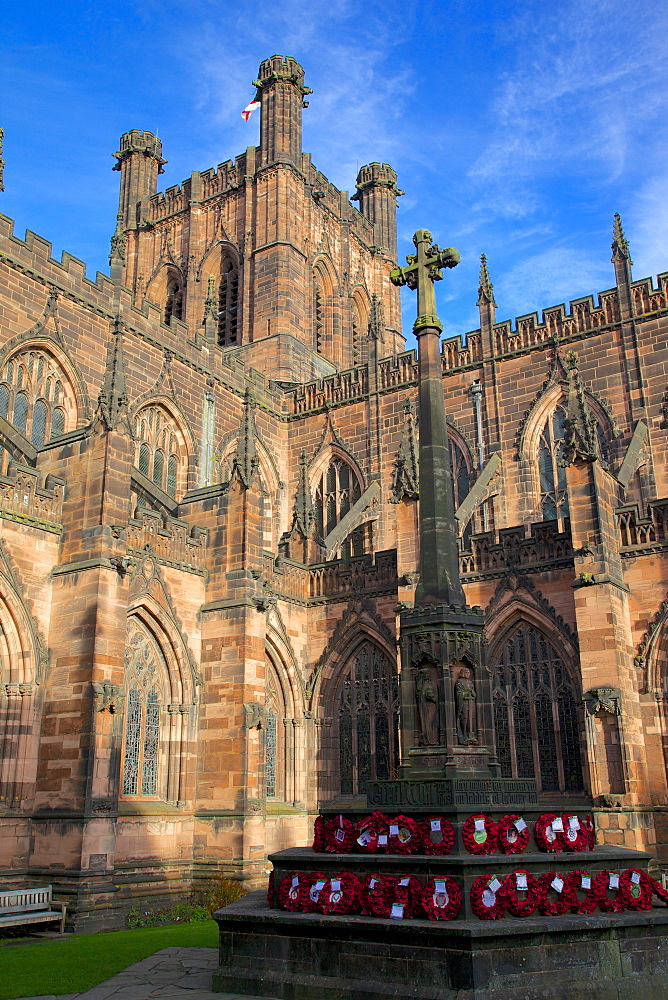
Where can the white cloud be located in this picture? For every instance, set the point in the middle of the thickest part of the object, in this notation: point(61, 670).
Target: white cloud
point(549, 278)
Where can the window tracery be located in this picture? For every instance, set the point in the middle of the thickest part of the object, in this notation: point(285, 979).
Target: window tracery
point(36, 397)
point(276, 751)
point(535, 713)
point(157, 442)
point(339, 489)
point(367, 713)
point(551, 468)
point(144, 672)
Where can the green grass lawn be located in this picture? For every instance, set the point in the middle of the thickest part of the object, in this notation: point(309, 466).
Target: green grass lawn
point(76, 962)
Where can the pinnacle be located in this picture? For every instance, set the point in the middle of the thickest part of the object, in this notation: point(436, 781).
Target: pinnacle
point(485, 288)
point(620, 244)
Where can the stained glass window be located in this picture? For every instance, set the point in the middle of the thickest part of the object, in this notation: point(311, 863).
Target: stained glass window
point(39, 418)
point(367, 707)
point(157, 446)
point(32, 410)
point(553, 495)
point(20, 419)
point(535, 714)
point(132, 736)
point(144, 670)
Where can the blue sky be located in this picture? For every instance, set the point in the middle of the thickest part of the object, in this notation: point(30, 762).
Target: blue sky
point(517, 128)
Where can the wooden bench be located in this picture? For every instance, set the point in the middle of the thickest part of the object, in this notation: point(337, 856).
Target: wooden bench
point(31, 906)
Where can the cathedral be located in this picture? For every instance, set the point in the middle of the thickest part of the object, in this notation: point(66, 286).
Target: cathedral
point(209, 495)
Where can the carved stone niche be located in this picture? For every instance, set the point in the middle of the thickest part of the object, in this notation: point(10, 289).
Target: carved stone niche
point(427, 702)
point(466, 707)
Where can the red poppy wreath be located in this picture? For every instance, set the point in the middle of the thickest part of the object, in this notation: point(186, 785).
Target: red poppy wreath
point(547, 838)
point(441, 899)
point(369, 885)
point(512, 834)
point(558, 895)
point(311, 888)
point(522, 892)
point(635, 889)
point(576, 835)
point(369, 829)
point(289, 892)
point(339, 835)
point(404, 836)
point(604, 883)
point(438, 835)
point(340, 894)
point(479, 835)
point(486, 900)
point(578, 883)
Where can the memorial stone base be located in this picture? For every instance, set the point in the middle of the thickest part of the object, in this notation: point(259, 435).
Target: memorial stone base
point(304, 956)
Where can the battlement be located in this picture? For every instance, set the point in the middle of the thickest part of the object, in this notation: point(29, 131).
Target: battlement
point(584, 316)
point(380, 174)
point(39, 250)
point(169, 539)
point(139, 141)
point(494, 553)
point(22, 500)
point(636, 531)
point(279, 67)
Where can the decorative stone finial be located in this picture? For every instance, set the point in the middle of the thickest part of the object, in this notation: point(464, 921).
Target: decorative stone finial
point(304, 514)
point(245, 460)
point(485, 288)
point(580, 438)
point(112, 400)
point(620, 244)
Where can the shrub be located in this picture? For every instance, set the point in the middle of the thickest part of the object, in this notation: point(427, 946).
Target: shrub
point(221, 892)
point(182, 913)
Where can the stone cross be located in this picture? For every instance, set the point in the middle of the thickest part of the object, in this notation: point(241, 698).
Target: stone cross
point(424, 268)
point(439, 556)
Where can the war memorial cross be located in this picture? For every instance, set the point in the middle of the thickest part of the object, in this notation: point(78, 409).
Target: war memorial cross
point(422, 270)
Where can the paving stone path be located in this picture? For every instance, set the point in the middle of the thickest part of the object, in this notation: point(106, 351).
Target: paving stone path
point(170, 974)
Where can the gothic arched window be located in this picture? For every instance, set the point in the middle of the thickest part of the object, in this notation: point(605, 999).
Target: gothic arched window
point(144, 672)
point(35, 396)
point(551, 470)
point(366, 715)
point(174, 299)
point(157, 437)
point(553, 493)
point(535, 713)
point(228, 303)
point(337, 491)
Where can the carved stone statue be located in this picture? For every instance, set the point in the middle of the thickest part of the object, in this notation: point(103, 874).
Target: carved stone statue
point(465, 699)
point(427, 699)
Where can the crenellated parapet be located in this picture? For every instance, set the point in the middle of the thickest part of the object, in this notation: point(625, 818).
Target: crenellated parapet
point(645, 533)
point(493, 554)
point(172, 541)
point(22, 499)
